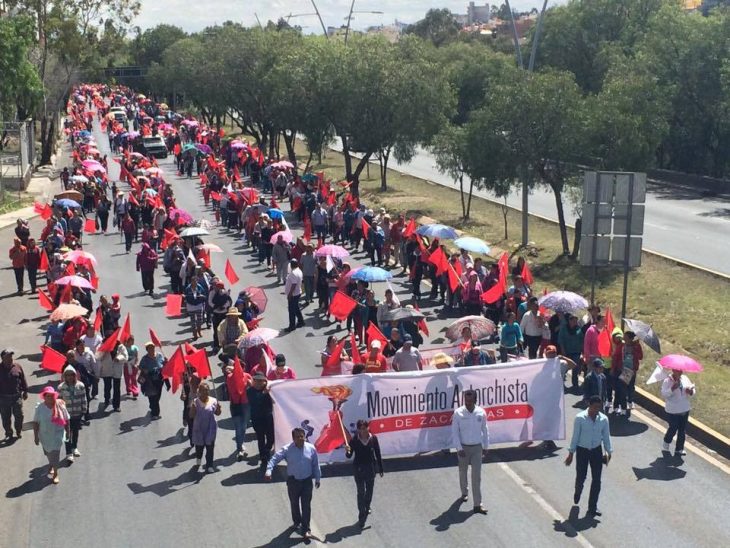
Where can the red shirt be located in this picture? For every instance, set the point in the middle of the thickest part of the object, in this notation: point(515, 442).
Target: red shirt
point(375, 365)
point(286, 374)
point(233, 396)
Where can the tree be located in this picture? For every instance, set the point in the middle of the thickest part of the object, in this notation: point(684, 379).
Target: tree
point(149, 46)
point(66, 39)
point(20, 86)
point(439, 26)
point(450, 149)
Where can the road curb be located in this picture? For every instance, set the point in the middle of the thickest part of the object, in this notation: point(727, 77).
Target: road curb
point(695, 429)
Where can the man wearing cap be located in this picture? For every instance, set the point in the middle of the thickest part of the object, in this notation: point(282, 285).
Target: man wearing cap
point(476, 356)
point(374, 360)
point(302, 466)
point(293, 292)
point(219, 302)
point(262, 416)
point(13, 390)
point(471, 438)
point(595, 382)
point(407, 358)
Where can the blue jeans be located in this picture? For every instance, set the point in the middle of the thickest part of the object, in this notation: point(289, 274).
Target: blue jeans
point(240, 422)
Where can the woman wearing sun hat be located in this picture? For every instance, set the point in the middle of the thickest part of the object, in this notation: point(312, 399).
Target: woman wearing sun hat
point(50, 427)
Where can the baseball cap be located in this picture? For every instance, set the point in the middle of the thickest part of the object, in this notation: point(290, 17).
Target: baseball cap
point(7, 351)
point(407, 338)
point(375, 344)
point(598, 362)
point(259, 377)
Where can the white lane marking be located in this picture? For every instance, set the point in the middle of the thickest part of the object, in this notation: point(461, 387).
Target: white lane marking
point(552, 512)
point(689, 447)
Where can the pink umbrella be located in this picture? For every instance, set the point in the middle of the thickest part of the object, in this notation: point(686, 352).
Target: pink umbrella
point(180, 216)
point(251, 194)
point(680, 363)
point(285, 235)
point(335, 251)
point(92, 165)
point(258, 297)
point(75, 281)
point(258, 336)
point(78, 256)
point(211, 247)
point(284, 164)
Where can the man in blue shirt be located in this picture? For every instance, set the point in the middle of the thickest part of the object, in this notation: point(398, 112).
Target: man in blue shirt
point(302, 465)
point(590, 438)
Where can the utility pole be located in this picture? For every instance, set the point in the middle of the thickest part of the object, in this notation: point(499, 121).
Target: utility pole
point(316, 9)
point(349, 18)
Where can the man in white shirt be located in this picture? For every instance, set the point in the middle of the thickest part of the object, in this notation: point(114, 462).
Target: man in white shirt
point(293, 292)
point(531, 325)
point(471, 438)
point(676, 391)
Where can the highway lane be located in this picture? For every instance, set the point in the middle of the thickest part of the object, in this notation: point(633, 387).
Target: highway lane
point(679, 222)
point(134, 482)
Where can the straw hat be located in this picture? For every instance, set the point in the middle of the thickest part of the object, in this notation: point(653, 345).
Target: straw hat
point(233, 311)
point(441, 360)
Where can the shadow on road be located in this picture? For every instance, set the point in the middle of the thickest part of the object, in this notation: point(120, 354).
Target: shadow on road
point(125, 427)
point(164, 488)
point(623, 428)
point(285, 539)
point(453, 515)
point(662, 469)
point(343, 533)
point(38, 480)
point(574, 523)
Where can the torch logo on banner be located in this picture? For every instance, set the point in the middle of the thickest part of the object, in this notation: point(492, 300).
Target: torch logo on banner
point(333, 435)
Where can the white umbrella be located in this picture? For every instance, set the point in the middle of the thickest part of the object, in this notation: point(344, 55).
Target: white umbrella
point(194, 231)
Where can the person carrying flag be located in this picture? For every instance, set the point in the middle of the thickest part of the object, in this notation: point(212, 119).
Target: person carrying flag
point(150, 377)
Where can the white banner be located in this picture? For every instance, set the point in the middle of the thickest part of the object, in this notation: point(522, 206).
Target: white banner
point(411, 412)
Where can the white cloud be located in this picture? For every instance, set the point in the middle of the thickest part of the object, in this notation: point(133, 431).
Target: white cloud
point(194, 16)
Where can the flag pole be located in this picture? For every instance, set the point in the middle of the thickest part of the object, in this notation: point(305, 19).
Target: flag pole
point(342, 427)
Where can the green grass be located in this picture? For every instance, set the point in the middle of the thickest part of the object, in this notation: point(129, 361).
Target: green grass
point(11, 203)
point(687, 307)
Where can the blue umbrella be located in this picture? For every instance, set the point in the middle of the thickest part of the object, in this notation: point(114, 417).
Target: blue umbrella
point(66, 202)
point(475, 245)
point(84, 133)
point(442, 232)
point(275, 213)
point(372, 274)
point(563, 301)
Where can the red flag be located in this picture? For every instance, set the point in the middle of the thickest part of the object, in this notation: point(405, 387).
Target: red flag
point(215, 196)
point(167, 238)
point(46, 213)
point(52, 360)
point(66, 294)
point(493, 294)
point(110, 341)
point(237, 379)
point(189, 349)
point(356, 357)
point(373, 333)
point(70, 270)
point(410, 228)
point(527, 274)
point(44, 261)
point(205, 256)
point(174, 368)
point(126, 331)
point(422, 326)
point(230, 272)
point(503, 264)
point(439, 260)
point(44, 300)
point(341, 305)
point(253, 324)
point(454, 281)
point(94, 280)
point(90, 226)
point(333, 435)
point(97, 320)
point(155, 339)
point(199, 361)
point(307, 229)
point(133, 200)
point(296, 204)
point(173, 305)
point(365, 228)
point(334, 359)
point(332, 198)
point(604, 337)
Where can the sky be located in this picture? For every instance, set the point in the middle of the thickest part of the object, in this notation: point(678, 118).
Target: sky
point(196, 15)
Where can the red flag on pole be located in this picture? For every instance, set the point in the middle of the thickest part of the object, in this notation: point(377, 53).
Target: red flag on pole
point(307, 229)
point(373, 333)
point(110, 342)
point(341, 305)
point(604, 337)
point(66, 294)
point(44, 261)
point(238, 379)
point(356, 357)
point(454, 281)
point(333, 435)
point(422, 326)
point(199, 361)
point(44, 300)
point(173, 304)
point(410, 228)
point(334, 359)
point(174, 368)
point(90, 226)
point(155, 339)
point(126, 331)
point(527, 274)
point(503, 264)
point(97, 320)
point(52, 360)
point(365, 228)
point(493, 294)
point(439, 260)
point(230, 272)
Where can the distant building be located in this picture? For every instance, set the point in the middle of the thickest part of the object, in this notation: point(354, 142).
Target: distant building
point(477, 14)
point(392, 33)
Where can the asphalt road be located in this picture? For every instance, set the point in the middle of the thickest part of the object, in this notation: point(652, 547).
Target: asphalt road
point(134, 484)
point(682, 223)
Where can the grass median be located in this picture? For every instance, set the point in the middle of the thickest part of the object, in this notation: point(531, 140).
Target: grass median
point(687, 307)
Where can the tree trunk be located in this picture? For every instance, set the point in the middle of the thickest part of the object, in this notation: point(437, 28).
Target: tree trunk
point(576, 238)
point(561, 219)
point(505, 211)
point(273, 149)
point(383, 161)
point(348, 159)
point(289, 139)
point(461, 195)
point(468, 201)
point(48, 138)
point(355, 188)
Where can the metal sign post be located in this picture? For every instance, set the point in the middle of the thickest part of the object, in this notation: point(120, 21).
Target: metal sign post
point(613, 224)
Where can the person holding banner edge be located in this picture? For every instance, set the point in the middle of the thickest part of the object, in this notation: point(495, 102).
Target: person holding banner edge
point(366, 448)
point(471, 438)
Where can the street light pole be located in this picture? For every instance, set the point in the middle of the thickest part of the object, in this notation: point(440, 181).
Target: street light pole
point(316, 9)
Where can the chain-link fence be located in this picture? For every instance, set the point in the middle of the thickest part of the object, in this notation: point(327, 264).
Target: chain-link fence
point(17, 156)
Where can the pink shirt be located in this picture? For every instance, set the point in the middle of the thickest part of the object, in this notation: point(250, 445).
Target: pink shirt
point(287, 374)
point(590, 343)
